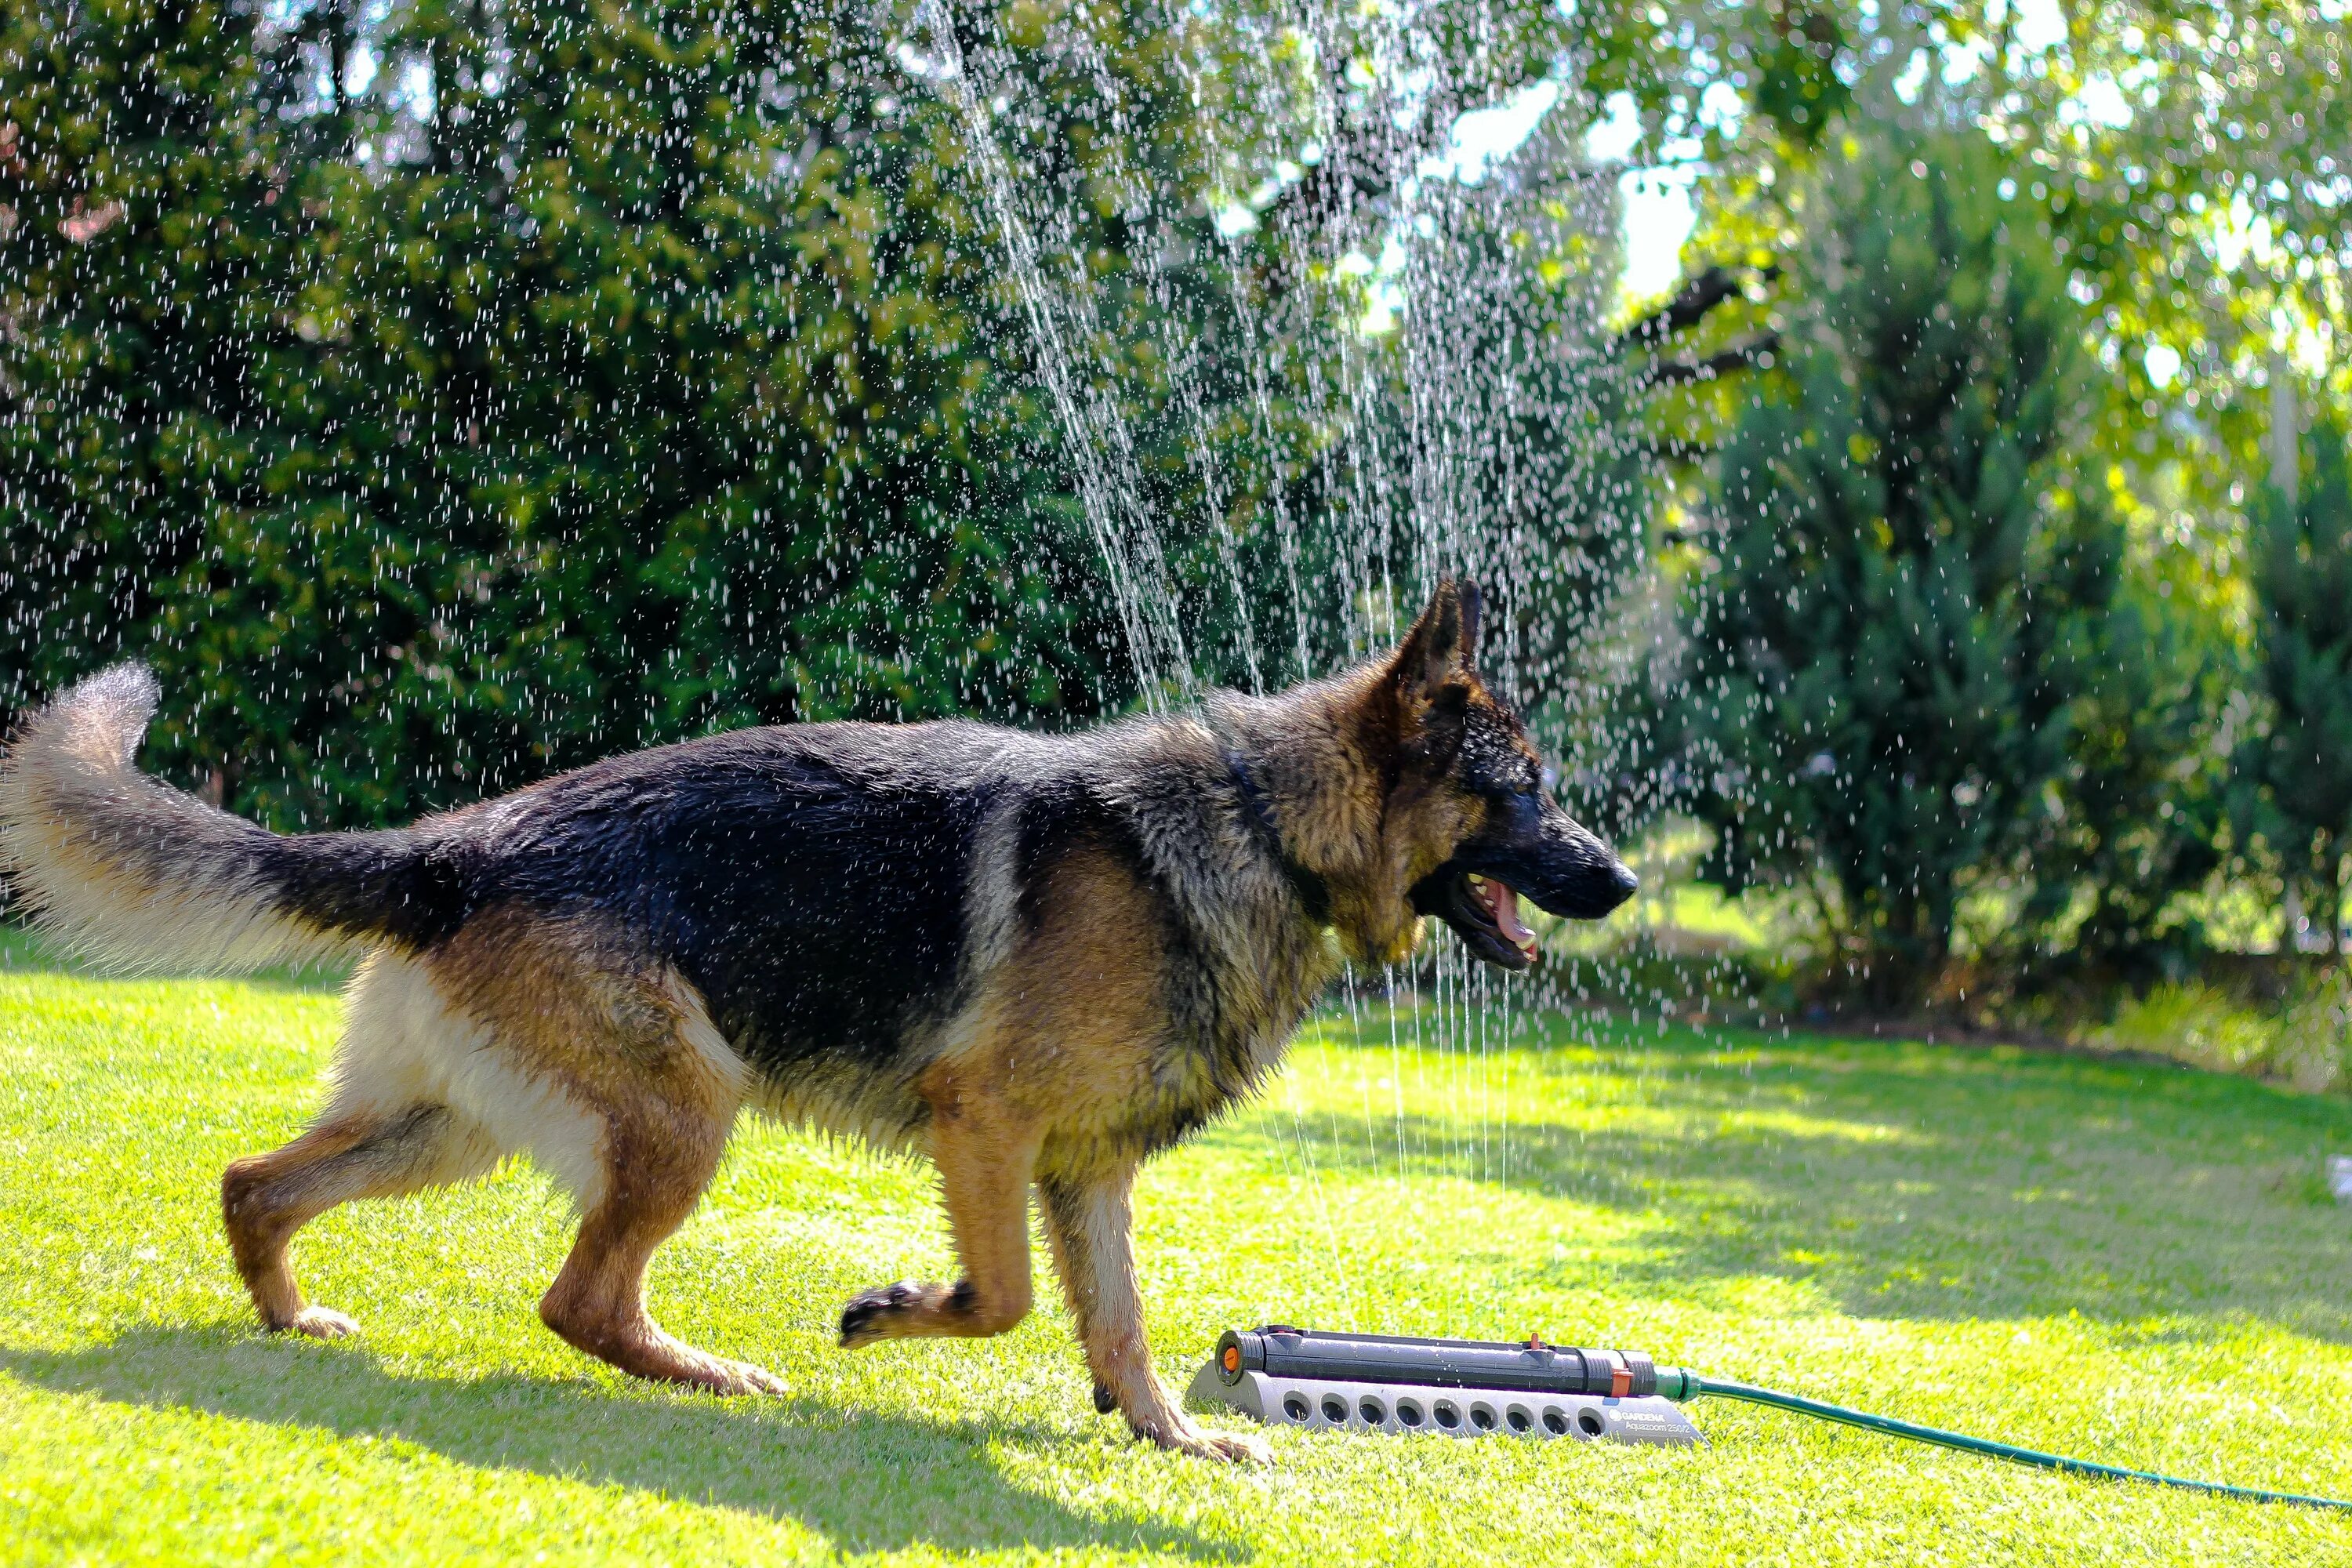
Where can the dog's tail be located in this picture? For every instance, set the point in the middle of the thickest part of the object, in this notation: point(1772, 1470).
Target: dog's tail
point(137, 875)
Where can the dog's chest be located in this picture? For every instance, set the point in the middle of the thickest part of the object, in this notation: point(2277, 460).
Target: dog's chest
point(1231, 1033)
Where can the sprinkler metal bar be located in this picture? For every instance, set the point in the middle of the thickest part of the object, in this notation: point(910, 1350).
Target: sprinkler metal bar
point(1531, 1368)
point(1405, 1408)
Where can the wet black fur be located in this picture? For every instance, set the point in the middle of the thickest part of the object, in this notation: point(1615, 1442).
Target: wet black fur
point(812, 883)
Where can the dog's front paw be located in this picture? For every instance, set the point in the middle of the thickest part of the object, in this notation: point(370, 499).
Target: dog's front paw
point(1164, 1426)
point(1234, 1448)
point(867, 1316)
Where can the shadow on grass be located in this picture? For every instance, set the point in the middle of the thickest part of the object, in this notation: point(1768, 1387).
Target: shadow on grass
point(868, 1482)
point(1904, 1179)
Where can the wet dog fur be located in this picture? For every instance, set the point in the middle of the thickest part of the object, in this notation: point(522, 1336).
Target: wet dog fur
point(1036, 961)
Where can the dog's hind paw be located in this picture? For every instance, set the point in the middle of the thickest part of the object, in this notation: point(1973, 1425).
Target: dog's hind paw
point(319, 1323)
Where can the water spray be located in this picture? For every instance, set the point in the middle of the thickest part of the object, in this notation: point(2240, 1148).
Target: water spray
point(1470, 1388)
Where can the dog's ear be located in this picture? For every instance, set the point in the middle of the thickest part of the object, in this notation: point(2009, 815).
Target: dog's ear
point(1435, 674)
point(1441, 649)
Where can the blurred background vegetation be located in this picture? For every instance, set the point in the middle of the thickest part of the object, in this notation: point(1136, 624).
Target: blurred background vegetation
point(442, 392)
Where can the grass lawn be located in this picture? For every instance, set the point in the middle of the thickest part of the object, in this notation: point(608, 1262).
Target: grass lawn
point(2125, 1262)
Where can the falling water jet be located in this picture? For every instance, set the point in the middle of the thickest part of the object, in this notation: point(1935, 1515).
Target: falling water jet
point(1455, 441)
point(1100, 449)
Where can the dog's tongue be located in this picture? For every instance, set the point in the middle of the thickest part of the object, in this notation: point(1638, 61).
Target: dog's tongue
point(1503, 903)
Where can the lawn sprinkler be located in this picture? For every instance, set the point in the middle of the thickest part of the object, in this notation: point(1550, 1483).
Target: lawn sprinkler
point(1454, 1388)
point(1469, 1388)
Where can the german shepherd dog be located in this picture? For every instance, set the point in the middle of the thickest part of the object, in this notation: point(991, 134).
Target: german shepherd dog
point(1037, 959)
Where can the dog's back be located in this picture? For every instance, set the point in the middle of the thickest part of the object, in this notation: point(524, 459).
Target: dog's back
point(837, 897)
point(815, 884)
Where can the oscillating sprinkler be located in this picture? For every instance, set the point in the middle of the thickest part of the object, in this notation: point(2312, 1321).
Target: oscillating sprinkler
point(1471, 1388)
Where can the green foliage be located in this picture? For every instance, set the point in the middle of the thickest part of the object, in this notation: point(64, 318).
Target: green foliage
point(2141, 806)
point(2208, 215)
point(2299, 770)
point(589, 378)
point(1908, 663)
point(583, 378)
point(2299, 1032)
point(640, 376)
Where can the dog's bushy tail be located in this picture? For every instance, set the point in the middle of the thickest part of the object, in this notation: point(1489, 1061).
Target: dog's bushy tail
point(135, 874)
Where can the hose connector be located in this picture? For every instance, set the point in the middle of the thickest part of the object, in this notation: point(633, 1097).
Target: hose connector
point(1679, 1384)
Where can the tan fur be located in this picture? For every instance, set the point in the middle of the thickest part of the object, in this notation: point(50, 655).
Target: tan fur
point(1054, 1088)
point(520, 1035)
point(1346, 813)
point(628, 1047)
point(1055, 1054)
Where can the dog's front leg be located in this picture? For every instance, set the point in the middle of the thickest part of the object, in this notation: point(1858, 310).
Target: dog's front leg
point(1089, 1221)
point(986, 1157)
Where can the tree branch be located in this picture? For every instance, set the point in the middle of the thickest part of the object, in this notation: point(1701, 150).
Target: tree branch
point(1689, 306)
point(1739, 356)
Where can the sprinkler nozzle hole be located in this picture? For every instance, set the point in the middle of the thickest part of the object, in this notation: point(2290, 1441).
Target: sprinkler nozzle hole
point(1588, 1423)
point(1334, 1410)
point(1519, 1418)
point(1409, 1413)
point(1482, 1417)
point(1374, 1413)
point(1449, 1414)
point(1294, 1405)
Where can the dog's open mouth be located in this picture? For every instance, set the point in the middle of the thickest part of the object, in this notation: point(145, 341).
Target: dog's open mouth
point(1498, 904)
point(1483, 911)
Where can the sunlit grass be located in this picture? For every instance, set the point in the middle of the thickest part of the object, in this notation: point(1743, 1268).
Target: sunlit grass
point(2124, 1261)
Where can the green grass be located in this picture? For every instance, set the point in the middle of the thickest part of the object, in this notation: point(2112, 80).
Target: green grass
point(2122, 1261)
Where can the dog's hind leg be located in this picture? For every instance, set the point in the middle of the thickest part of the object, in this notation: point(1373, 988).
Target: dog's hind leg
point(658, 1159)
point(388, 1128)
point(985, 1158)
point(607, 1068)
point(1088, 1220)
point(354, 1153)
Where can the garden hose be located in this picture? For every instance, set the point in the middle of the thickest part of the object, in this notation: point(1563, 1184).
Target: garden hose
point(1537, 1368)
point(1682, 1386)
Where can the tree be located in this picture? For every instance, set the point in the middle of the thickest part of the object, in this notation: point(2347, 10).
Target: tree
point(2301, 765)
point(1909, 579)
point(147, 246)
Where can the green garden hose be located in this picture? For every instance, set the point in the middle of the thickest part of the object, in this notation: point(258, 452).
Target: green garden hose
point(1682, 1386)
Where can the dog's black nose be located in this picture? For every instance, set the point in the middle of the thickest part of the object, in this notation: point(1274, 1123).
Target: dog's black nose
point(1621, 877)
